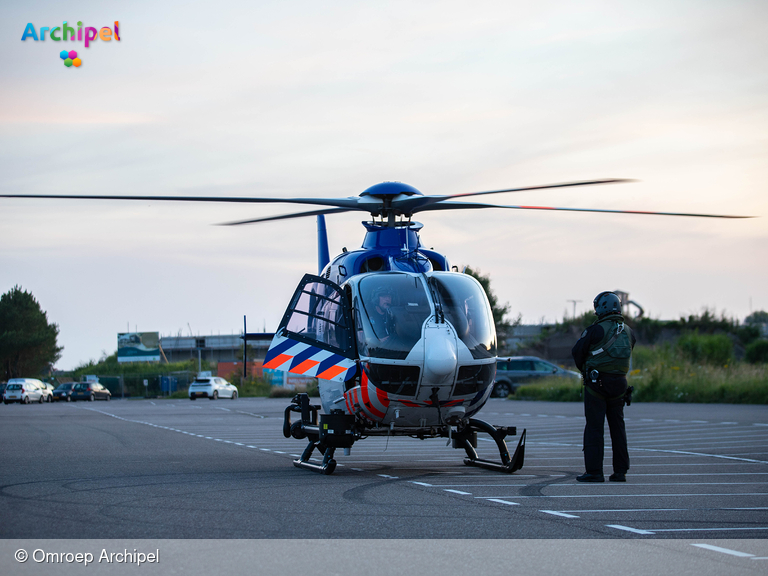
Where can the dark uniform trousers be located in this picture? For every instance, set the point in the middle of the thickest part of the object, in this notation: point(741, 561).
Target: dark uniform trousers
point(606, 401)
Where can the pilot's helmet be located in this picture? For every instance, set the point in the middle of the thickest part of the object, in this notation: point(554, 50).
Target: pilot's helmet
point(607, 303)
point(380, 291)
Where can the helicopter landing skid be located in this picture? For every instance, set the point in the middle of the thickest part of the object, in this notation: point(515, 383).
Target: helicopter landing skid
point(334, 433)
point(328, 465)
point(335, 430)
point(467, 439)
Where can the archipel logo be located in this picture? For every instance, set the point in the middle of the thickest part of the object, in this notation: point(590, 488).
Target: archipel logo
point(70, 58)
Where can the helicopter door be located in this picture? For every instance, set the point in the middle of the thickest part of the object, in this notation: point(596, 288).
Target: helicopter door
point(315, 337)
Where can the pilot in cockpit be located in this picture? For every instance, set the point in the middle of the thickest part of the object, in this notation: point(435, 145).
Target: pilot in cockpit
point(380, 314)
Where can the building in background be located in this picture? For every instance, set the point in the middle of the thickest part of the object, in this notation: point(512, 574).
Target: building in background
point(219, 349)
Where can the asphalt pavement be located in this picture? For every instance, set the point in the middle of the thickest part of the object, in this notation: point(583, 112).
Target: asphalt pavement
point(222, 469)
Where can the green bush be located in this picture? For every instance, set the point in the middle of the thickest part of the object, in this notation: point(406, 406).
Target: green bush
point(667, 378)
point(551, 390)
point(714, 349)
point(757, 352)
point(280, 392)
point(646, 357)
point(736, 384)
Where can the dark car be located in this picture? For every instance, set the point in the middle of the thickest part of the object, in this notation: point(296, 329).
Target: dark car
point(64, 391)
point(516, 370)
point(90, 391)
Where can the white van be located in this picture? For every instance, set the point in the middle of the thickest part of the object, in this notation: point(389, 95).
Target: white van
point(24, 391)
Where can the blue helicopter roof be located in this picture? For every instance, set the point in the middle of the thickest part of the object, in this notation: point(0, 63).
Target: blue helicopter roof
point(390, 189)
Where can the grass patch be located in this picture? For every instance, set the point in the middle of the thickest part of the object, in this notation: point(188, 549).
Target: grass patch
point(664, 377)
point(550, 390)
point(685, 382)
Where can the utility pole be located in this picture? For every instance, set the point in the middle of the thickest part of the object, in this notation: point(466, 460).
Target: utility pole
point(574, 307)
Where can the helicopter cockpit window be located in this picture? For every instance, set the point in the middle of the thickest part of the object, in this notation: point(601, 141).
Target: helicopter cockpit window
point(389, 315)
point(466, 308)
point(317, 315)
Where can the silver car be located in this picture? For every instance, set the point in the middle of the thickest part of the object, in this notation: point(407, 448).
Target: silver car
point(212, 388)
point(24, 391)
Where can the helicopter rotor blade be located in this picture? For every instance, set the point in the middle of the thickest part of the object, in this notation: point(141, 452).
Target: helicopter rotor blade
point(471, 205)
point(287, 216)
point(415, 203)
point(348, 203)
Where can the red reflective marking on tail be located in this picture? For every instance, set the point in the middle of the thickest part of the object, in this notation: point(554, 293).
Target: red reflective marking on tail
point(277, 361)
point(304, 366)
point(539, 207)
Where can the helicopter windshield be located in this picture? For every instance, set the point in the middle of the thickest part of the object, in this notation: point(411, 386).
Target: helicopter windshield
point(392, 309)
point(466, 308)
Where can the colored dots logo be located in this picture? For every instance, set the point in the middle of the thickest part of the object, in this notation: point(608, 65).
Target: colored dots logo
point(70, 58)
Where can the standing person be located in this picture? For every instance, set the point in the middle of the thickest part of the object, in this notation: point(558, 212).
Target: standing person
point(602, 354)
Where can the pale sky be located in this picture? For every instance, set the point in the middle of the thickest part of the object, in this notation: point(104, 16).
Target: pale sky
point(299, 98)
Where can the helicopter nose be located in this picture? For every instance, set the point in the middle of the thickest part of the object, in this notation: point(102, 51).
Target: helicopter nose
point(440, 357)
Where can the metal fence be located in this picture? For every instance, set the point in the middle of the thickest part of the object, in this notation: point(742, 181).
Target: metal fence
point(146, 385)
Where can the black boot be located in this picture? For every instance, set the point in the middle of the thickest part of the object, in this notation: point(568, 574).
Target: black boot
point(587, 477)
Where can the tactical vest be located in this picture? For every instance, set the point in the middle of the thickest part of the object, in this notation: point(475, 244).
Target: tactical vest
point(611, 355)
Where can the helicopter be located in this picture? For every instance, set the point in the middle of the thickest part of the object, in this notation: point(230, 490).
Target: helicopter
point(400, 341)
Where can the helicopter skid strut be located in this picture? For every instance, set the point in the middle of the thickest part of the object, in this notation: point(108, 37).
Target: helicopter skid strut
point(328, 465)
point(335, 430)
point(335, 433)
point(467, 438)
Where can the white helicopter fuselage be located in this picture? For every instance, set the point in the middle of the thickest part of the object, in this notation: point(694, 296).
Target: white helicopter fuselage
point(426, 357)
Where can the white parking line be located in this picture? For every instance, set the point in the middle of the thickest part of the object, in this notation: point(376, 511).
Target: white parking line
point(628, 529)
point(611, 510)
point(422, 484)
point(599, 495)
point(723, 550)
point(563, 514)
point(459, 492)
point(700, 454)
point(500, 501)
point(710, 529)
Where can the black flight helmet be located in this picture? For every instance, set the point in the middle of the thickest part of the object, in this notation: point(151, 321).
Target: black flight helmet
point(606, 303)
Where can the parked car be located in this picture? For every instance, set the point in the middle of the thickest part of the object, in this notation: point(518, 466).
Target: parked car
point(212, 388)
point(64, 391)
point(516, 370)
point(24, 391)
point(90, 391)
point(48, 392)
